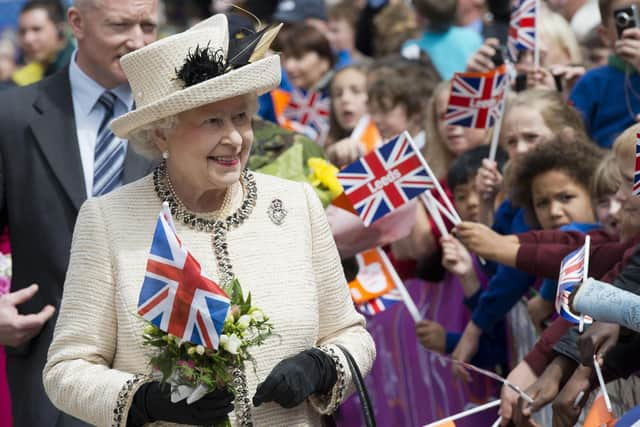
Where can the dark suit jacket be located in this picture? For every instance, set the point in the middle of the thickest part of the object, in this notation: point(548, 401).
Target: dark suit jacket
point(42, 189)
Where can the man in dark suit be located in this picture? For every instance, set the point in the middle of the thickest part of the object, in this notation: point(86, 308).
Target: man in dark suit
point(56, 150)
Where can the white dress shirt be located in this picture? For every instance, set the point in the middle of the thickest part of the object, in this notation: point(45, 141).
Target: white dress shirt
point(85, 93)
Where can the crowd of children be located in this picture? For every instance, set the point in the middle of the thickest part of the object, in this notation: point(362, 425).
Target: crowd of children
point(564, 169)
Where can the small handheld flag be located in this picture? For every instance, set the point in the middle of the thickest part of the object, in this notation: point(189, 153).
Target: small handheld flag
point(573, 270)
point(367, 134)
point(176, 295)
point(308, 112)
point(476, 99)
point(522, 27)
point(636, 174)
point(385, 179)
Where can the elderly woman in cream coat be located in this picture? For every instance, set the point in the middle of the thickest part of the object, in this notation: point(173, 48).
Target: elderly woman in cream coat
point(276, 242)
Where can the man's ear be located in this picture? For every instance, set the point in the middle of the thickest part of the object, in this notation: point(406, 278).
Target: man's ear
point(76, 22)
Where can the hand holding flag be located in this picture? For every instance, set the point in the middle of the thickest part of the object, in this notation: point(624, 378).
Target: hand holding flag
point(573, 271)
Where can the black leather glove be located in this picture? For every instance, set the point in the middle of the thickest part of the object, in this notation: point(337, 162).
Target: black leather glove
point(294, 379)
point(152, 402)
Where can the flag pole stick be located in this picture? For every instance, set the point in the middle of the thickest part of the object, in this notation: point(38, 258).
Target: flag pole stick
point(585, 274)
point(427, 199)
point(406, 298)
point(536, 49)
point(497, 128)
point(436, 183)
point(466, 413)
point(603, 386)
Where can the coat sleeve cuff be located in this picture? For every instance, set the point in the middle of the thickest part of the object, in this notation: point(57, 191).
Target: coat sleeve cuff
point(326, 404)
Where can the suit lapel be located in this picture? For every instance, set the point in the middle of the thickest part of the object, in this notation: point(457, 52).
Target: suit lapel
point(54, 128)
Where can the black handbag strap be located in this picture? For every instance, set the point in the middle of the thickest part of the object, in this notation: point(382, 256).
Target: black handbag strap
point(363, 394)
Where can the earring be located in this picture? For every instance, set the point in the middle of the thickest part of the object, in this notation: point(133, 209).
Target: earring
point(165, 155)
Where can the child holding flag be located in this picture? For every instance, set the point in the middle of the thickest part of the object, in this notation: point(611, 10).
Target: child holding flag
point(541, 252)
point(463, 272)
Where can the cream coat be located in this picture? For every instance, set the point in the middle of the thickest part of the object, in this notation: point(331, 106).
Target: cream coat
point(292, 271)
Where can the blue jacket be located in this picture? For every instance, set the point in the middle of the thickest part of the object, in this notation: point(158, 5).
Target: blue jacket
point(604, 102)
point(492, 348)
point(507, 284)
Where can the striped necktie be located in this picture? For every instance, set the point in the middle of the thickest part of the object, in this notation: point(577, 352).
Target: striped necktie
point(110, 151)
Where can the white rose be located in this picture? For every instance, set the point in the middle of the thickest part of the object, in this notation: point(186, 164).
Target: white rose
point(200, 350)
point(257, 315)
point(232, 344)
point(243, 322)
point(224, 339)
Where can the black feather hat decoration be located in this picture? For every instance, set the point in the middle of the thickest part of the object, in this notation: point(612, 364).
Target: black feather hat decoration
point(205, 63)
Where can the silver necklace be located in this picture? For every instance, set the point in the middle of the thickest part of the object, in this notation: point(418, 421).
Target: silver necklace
point(219, 227)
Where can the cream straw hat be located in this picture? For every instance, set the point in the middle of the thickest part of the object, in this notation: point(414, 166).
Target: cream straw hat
point(158, 92)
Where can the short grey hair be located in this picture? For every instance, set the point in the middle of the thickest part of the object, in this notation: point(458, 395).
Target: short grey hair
point(143, 138)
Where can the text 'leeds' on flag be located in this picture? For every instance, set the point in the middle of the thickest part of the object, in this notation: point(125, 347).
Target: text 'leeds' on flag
point(475, 100)
point(572, 272)
point(385, 179)
point(636, 174)
point(176, 295)
point(522, 27)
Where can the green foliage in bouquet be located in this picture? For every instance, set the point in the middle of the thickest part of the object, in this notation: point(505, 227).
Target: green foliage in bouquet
point(188, 364)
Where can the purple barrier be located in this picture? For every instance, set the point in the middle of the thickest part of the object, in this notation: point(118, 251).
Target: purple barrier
point(409, 385)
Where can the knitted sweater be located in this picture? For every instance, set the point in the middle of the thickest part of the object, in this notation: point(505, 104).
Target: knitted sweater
point(292, 271)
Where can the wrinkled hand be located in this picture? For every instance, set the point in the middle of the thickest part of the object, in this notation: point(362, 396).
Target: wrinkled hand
point(628, 47)
point(16, 329)
point(152, 402)
point(481, 60)
point(432, 335)
point(465, 350)
point(540, 310)
point(488, 180)
point(344, 152)
point(455, 257)
point(565, 414)
point(294, 379)
point(598, 340)
point(523, 377)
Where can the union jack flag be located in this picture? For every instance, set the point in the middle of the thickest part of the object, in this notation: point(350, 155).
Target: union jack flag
point(476, 99)
point(636, 175)
point(380, 304)
point(176, 295)
point(522, 27)
point(385, 179)
point(308, 113)
point(572, 272)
